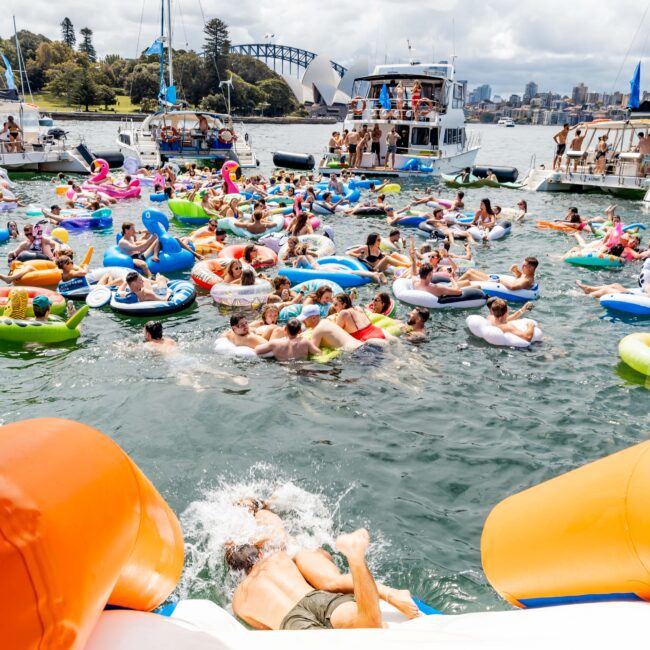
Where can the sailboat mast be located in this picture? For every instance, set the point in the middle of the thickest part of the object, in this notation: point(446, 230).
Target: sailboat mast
point(169, 23)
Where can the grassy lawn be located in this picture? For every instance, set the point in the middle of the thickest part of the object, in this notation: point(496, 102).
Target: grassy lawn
point(47, 102)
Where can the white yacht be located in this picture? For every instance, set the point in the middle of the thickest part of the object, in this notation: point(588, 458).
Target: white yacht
point(176, 136)
point(35, 149)
point(620, 172)
point(431, 129)
point(507, 122)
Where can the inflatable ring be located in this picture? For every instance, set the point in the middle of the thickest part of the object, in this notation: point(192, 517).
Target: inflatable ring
point(265, 256)
point(495, 289)
point(183, 295)
point(226, 136)
point(355, 107)
point(310, 286)
point(207, 273)
point(57, 300)
point(634, 350)
point(493, 335)
point(223, 346)
point(44, 273)
point(238, 296)
point(601, 260)
point(168, 134)
point(636, 302)
point(334, 268)
point(423, 106)
point(323, 246)
point(55, 330)
point(404, 292)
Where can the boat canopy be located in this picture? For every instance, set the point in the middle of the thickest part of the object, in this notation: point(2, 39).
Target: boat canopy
point(187, 120)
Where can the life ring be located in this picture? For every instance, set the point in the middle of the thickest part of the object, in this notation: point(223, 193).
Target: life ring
point(423, 106)
point(354, 105)
point(226, 136)
point(168, 134)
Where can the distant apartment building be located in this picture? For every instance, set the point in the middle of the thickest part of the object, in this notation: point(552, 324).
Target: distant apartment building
point(515, 101)
point(579, 94)
point(530, 91)
point(480, 94)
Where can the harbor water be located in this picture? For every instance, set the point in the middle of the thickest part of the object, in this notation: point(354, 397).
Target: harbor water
point(417, 443)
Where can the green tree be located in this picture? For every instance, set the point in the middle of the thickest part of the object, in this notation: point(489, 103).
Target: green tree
point(143, 82)
point(62, 79)
point(67, 33)
point(191, 76)
point(84, 91)
point(106, 95)
point(279, 96)
point(249, 68)
point(244, 96)
point(213, 103)
point(216, 49)
point(86, 46)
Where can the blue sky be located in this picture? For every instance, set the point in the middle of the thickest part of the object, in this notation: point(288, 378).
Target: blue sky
point(500, 42)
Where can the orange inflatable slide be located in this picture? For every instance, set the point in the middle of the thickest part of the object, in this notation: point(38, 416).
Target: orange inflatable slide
point(80, 527)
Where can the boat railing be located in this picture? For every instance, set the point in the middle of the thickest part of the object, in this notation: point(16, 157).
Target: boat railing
point(364, 108)
point(624, 165)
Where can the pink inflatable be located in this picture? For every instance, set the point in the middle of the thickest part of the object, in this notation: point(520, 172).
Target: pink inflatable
point(227, 172)
point(313, 220)
point(96, 184)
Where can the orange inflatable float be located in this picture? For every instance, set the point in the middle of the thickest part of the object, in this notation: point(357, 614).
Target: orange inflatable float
point(580, 537)
point(207, 273)
point(43, 273)
point(563, 226)
point(206, 243)
point(80, 527)
point(264, 257)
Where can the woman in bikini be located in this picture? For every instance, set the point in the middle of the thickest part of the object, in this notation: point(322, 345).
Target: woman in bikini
point(355, 321)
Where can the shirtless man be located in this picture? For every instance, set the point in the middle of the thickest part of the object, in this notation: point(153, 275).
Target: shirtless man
point(560, 140)
point(275, 595)
point(644, 148)
point(290, 347)
point(391, 147)
point(422, 282)
point(375, 145)
point(154, 339)
point(352, 141)
point(576, 145)
point(335, 185)
point(415, 328)
point(364, 139)
point(524, 279)
point(138, 249)
point(239, 333)
point(500, 318)
point(145, 289)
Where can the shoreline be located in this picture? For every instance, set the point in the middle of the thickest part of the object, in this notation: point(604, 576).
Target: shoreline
point(139, 117)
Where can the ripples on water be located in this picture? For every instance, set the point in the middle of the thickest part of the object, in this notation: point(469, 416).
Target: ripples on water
point(416, 443)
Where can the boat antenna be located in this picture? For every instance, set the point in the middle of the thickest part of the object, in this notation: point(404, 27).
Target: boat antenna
point(410, 48)
point(21, 66)
point(453, 44)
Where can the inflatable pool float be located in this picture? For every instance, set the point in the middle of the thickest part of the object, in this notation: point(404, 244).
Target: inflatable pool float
point(390, 311)
point(333, 268)
point(207, 273)
point(55, 330)
point(225, 347)
point(385, 322)
point(310, 286)
point(474, 181)
point(228, 224)
point(172, 257)
point(404, 292)
point(558, 225)
point(57, 300)
point(44, 273)
point(189, 212)
point(236, 295)
point(265, 256)
point(577, 538)
point(364, 184)
point(634, 350)
point(79, 288)
point(97, 220)
point(319, 245)
point(635, 302)
point(95, 184)
point(501, 230)
point(493, 335)
point(183, 295)
point(205, 244)
point(8, 206)
point(369, 211)
point(596, 260)
point(494, 289)
point(319, 207)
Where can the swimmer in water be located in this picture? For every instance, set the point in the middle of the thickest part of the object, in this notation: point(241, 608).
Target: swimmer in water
point(154, 339)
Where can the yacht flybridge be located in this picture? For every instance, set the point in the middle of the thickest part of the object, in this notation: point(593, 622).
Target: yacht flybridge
point(181, 135)
point(621, 172)
point(425, 105)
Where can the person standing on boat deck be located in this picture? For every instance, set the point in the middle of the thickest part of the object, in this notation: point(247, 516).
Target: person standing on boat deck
point(203, 124)
point(576, 145)
point(352, 142)
point(364, 138)
point(399, 101)
point(560, 141)
point(644, 148)
point(391, 141)
point(601, 155)
point(375, 146)
point(416, 95)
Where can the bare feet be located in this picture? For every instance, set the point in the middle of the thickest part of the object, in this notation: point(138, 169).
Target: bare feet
point(584, 287)
point(353, 545)
point(401, 600)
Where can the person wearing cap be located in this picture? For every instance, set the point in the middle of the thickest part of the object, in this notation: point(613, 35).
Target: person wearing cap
point(290, 347)
point(41, 306)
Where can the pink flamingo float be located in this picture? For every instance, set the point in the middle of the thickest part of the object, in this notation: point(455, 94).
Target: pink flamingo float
point(227, 173)
point(95, 184)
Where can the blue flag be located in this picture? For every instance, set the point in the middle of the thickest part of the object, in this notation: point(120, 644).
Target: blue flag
point(384, 98)
point(156, 47)
point(635, 88)
point(9, 73)
point(170, 95)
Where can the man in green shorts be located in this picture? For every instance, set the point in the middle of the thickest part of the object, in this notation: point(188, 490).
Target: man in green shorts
point(275, 595)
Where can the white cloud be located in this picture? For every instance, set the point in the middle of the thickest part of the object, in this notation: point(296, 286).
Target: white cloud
point(554, 42)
